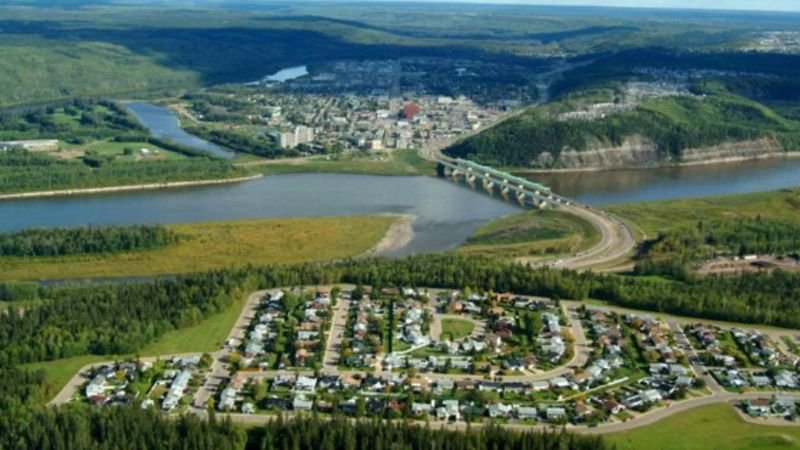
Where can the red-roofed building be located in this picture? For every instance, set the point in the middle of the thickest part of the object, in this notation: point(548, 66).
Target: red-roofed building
point(410, 110)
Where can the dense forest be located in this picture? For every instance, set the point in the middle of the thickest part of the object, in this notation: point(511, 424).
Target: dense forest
point(80, 427)
point(121, 318)
point(736, 236)
point(22, 171)
point(309, 433)
point(83, 240)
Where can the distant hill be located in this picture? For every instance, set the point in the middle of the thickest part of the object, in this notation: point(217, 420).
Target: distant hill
point(588, 131)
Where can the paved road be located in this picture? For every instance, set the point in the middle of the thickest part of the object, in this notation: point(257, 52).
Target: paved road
point(583, 349)
point(642, 420)
point(66, 393)
point(333, 347)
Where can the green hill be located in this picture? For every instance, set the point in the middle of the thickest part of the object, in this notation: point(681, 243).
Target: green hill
point(539, 137)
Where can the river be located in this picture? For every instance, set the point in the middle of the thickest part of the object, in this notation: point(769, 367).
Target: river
point(163, 123)
point(446, 214)
point(630, 186)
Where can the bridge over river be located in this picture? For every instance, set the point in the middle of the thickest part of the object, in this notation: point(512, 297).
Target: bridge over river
point(617, 238)
point(525, 192)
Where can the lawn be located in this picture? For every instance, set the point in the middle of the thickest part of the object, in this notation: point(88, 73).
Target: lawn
point(653, 217)
point(210, 245)
point(456, 328)
point(398, 162)
point(532, 233)
point(60, 371)
point(707, 428)
point(206, 336)
point(116, 149)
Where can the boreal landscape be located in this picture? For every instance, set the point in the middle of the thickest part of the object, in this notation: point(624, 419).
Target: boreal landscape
point(373, 225)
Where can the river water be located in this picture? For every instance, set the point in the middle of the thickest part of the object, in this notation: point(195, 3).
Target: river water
point(446, 213)
point(629, 186)
point(163, 123)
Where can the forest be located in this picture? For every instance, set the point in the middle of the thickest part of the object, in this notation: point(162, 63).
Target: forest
point(733, 236)
point(23, 171)
point(85, 240)
point(79, 427)
point(522, 140)
point(121, 318)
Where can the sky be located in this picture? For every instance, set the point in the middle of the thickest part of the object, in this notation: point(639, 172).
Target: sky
point(759, 5)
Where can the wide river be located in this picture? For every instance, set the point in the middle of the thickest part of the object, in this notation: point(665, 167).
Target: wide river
point(446, 214)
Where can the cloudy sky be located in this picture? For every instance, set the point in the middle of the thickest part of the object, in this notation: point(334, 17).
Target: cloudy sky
point(761, 5)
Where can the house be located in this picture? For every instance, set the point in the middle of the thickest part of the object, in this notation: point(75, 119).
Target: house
point(556, 414)
point(498, 410)
point(227, 399)
point(539, 386)
point(785, 380)
point(784, 404)
point(758, 407)
point(492, 386)
point(634, 401)
point(300, 403)
point(96, 386)
point(176, 390)
point(448, 410)
point(420, 409)
point(611, 406)
point(329, 382)
point(559, 383)
point(527, 413)
point(650, 396)
point(760, 380)
point(305, 384)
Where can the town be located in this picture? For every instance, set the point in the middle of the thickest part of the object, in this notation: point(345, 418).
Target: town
point(407, 103)
point(458, 356)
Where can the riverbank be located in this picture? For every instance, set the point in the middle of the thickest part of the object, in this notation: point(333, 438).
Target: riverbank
point(125, 188)
point(205, 246)
point(397, 236)
point(664, 165)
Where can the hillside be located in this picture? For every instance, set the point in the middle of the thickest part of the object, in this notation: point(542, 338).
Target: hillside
point(598, 130)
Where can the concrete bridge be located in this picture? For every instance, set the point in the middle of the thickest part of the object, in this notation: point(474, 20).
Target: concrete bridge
point(495, 182)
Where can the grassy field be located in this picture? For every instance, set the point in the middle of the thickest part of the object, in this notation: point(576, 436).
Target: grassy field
point(456, 328)
point(707, 428)
point(206, 336)
point(399, 162)
point(532, 233)
point(116, 151)
point(660, 216)
point(206, 246)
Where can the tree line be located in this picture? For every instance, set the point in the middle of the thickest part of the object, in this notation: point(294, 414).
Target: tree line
point(85, 240)
point(122, 318)
point(737, 236)
point(23, 171)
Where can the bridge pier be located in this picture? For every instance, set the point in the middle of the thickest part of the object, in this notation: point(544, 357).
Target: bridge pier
point(488, 186)
point(512, 188)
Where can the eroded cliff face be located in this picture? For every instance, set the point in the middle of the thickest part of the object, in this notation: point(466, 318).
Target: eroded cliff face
point(637, 151)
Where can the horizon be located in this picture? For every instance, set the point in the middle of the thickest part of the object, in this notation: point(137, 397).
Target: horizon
point(773, 6)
